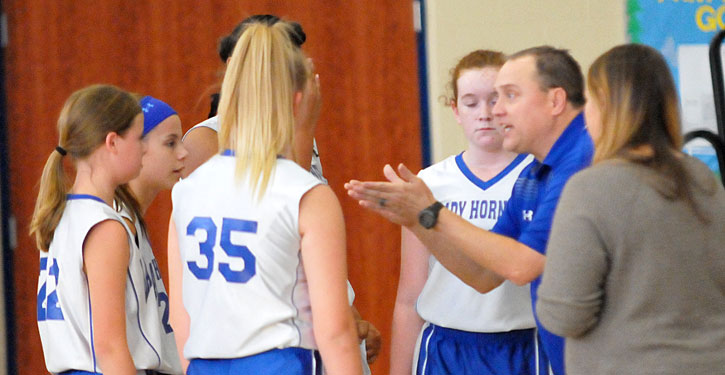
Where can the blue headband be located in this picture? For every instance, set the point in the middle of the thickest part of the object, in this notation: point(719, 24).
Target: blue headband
point(154, 111)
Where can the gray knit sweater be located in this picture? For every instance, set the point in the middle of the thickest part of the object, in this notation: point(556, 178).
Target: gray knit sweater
point(633, 280)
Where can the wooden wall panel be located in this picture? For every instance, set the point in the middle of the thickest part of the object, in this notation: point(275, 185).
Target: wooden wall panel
point(364, 52)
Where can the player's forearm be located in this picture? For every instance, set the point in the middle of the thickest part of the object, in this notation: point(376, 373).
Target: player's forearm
point(339, 349)
point(114, 357)
point(406, 327)
point(178, 317)
point(180, 322)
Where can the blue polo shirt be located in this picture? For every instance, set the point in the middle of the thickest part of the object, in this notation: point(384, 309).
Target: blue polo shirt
point(529, 212)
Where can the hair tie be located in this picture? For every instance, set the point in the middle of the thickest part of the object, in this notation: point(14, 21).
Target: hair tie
point(61, 151)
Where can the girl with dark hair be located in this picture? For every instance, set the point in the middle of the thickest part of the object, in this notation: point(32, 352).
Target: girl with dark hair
point(201, 140)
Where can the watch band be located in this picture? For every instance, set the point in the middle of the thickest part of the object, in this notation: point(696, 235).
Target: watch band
point(428, 217)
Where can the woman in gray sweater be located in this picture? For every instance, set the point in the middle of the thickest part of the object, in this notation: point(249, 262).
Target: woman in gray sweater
point(635, 266)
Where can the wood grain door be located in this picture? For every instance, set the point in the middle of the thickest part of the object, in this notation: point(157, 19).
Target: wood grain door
point(365, 54)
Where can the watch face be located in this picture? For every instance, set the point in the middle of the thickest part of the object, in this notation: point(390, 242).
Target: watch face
point(429, 216)
point(427, 219)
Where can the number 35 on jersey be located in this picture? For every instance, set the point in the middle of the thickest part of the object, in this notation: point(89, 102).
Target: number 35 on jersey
point(206, 232)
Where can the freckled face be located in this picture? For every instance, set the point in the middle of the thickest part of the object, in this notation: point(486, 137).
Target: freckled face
point(473, 108)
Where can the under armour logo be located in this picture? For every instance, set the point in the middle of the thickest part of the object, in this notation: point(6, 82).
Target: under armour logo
point(528, 215)
point(147, 107)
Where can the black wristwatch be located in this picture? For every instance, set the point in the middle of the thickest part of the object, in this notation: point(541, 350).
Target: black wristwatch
point(429, 216)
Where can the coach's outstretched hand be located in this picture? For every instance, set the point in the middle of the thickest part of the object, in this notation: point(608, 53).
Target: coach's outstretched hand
point(399, 200)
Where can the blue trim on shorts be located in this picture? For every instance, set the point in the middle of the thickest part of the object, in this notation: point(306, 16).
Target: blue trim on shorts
point(452, 351)
point(287, 361)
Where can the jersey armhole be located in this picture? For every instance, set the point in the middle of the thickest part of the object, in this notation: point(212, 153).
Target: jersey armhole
point(83, 244)
point(299, 203)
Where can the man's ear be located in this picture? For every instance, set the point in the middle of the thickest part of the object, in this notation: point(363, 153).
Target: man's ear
point(558, 100)
point(296, 102)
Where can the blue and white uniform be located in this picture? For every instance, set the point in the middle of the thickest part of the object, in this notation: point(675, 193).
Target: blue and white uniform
point(467, 332)
point(244, 284)
point(65, 319)
point(154, 302)
point(316, 170)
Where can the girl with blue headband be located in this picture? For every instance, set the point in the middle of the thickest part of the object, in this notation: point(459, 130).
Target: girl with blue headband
point(162, 165)
point(165, 154)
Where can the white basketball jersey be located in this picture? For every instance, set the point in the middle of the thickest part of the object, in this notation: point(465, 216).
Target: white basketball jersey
point(447, 301)
point(64, 306)
point(316, 170)
point(153, 303)
point(316, 167)
point(244, 284)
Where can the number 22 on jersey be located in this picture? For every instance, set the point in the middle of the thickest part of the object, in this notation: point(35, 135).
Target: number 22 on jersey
point(48, 303)
point(206, 248)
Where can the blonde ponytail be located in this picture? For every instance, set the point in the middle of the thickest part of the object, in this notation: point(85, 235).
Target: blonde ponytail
point(256, 106)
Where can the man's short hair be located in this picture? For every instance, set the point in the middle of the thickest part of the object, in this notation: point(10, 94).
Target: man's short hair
point(556, 68)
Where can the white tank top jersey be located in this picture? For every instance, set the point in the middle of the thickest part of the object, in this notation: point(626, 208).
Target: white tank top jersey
point(244, 284)
point(153, 302)
point(316, 170)
point(446, 300)
point(65, 319)
point(316, 167)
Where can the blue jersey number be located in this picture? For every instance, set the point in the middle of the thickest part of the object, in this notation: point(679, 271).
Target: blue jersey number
point(206, 248)
point(52, 310)
point(163, 298)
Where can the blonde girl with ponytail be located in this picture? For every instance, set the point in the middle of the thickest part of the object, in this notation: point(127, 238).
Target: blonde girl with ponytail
point(257, 243)
point(87, 301)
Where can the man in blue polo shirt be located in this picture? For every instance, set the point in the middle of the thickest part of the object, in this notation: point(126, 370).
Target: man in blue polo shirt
point(540, 99)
